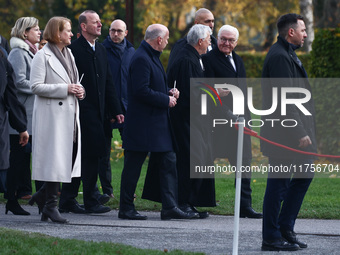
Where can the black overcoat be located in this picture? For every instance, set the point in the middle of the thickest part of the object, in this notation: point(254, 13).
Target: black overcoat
point(225, 138)
point(281, 62)
point(100, 97)
point(198, 192)
point(10, 104)
point(175, 55)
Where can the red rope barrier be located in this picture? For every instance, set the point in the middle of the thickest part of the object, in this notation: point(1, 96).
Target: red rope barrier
point(250, 132)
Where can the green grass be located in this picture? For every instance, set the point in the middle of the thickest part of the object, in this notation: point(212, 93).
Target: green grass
point(27, 243)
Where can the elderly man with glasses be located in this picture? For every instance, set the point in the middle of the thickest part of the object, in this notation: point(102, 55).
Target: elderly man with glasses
point(223, 62)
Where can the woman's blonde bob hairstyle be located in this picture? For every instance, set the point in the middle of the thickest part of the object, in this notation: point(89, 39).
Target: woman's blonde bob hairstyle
point(23, 25)
point(53, 28)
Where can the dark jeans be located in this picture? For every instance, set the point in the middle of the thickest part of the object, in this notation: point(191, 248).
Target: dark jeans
point(19, 173)
point(283, 198)
point(133, 161)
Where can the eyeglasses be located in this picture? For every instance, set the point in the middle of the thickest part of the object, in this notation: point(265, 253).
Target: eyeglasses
point(118, 31)
point(224, 40)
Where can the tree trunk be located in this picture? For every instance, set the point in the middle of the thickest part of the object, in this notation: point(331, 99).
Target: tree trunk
point(306, 8)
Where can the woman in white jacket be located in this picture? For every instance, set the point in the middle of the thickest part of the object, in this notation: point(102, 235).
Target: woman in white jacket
point(25, 34)
point(56, 129)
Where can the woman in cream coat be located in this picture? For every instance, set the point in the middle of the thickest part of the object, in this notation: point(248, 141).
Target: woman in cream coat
point(56, 129)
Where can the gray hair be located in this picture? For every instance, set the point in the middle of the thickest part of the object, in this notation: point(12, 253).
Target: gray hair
point(23, 24)
point(154, 31)
point(197, 32)
point(229, 28)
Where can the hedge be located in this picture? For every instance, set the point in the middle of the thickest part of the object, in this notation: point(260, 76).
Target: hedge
point(325, 63)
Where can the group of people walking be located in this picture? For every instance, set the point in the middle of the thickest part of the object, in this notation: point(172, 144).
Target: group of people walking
point(70, 95)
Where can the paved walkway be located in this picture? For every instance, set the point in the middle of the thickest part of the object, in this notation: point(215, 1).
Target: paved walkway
point(213, 235)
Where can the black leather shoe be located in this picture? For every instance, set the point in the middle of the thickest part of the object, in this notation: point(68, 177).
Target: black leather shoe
point(290, 236)
point(103, 199)
point(14, 207)
point(191, 209)
point(74, 208)
point(131, 215)
point(249, 212)
point(176, 213)
point(279, 245)
point(98, 209)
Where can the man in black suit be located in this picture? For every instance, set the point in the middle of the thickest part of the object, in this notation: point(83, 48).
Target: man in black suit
point(101, 99)
point(202, 16)
point(147, 129)
point(223, 62)
point(285, 191)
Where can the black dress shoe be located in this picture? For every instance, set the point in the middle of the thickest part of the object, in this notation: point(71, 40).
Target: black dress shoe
point(191, 209)
point(74, 208)
point(279, 245)
point(103, 199)
point(131, 215)
point(14, 207)
point(290, 236)
point(98, 209)
point(249, 212)
point(176, 213)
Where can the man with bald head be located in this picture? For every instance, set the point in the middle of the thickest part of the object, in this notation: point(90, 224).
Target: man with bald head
point(202, 16)
point(119, 53)
point(147, 130)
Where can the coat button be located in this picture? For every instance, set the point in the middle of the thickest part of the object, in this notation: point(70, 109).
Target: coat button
point(60, 103)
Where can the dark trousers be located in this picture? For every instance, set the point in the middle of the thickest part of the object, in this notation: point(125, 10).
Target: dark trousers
point(104, 171)
point(89, 175)
point(165, 162)
point(283, 198)
point(3, 176)
point(19, 173)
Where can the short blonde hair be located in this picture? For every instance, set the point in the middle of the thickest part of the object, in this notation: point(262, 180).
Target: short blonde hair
point(22, 25)
point(53, 28)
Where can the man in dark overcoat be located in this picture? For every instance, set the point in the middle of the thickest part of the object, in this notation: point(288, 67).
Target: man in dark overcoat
point(285, 191)
point(195, 191)
point(147, 129)
point(119, 53)
point(11, 112)
point(223, 62)
point(101, 99)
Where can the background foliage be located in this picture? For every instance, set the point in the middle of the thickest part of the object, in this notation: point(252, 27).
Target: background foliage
point(255, 19)
point(324, 63)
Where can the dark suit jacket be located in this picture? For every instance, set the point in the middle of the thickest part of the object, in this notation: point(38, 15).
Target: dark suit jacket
point(147, 123)
point(100, 97)
point(217, 65)
point(281, 62)
point(9, 103)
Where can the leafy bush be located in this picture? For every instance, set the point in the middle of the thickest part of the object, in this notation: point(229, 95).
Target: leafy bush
point(324, 63)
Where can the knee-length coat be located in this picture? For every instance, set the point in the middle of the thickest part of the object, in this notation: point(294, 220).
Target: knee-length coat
point(55, 120)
